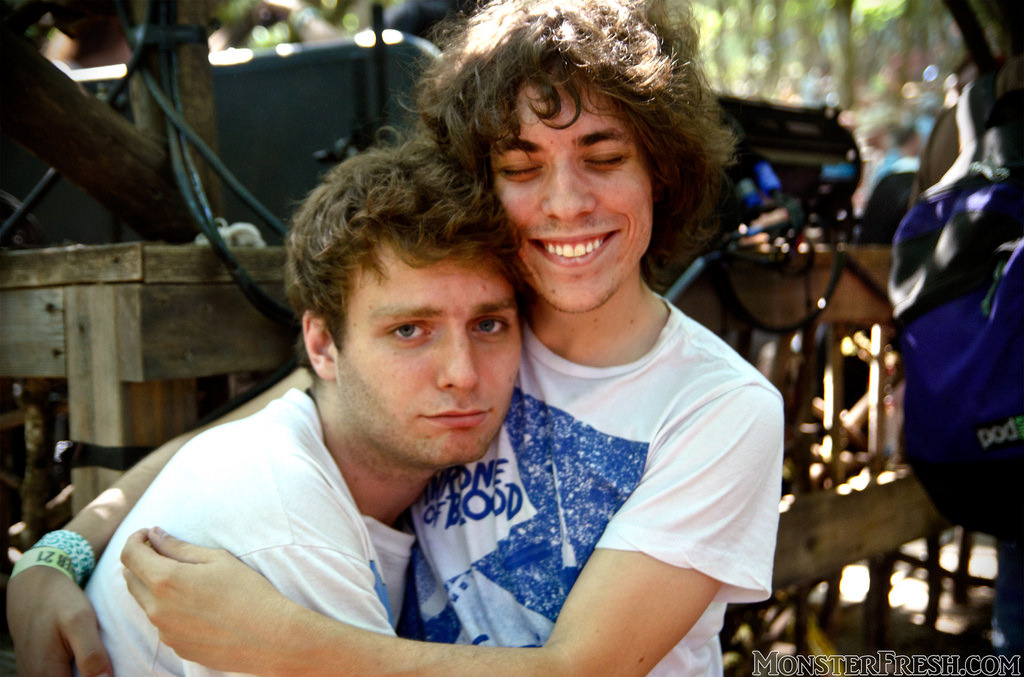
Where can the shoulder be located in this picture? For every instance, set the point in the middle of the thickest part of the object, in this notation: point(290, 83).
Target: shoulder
point(269, 473)
point(711, 366)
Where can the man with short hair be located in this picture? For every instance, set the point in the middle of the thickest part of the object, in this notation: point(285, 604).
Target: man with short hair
point(404, 276)
point(634, 488)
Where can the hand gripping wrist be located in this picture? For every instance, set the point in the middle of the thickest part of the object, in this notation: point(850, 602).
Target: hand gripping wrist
point(63, 550)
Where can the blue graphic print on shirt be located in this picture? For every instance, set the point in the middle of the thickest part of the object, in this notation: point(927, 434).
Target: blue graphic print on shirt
point(573, 475)
point(382, 591)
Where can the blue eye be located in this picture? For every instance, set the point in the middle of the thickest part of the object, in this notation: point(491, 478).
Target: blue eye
point(492, 325)
point(406, 331)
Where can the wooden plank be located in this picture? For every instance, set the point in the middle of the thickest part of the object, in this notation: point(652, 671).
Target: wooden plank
point(195, 263)
point(77, 264)
point(823, 531)
point(32, 333)
point(185, 331)
point(133, 262)
point(96, 401)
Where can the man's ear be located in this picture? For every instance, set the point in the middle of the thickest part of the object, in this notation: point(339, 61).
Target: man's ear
point(319, 346)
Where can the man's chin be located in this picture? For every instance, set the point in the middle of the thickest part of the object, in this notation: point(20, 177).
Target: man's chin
point(464, 454)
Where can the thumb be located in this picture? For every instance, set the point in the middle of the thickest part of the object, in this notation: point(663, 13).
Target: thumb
point(90, 656)
point(81, 633)
point(176, 549)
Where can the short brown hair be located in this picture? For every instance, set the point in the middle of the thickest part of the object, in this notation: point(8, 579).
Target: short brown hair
point(631, 51)
point(406, 197)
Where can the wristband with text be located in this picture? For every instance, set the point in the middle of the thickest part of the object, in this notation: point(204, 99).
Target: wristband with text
point(47, 556)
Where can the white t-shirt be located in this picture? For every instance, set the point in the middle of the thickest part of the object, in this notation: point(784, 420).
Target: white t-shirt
point(267, 490)
point(677, 455)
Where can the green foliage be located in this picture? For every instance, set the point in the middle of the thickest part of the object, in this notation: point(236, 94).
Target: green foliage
point(870, 57)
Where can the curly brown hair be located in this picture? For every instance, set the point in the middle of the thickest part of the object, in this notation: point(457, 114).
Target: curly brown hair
point(406, 197)
point(635, 53)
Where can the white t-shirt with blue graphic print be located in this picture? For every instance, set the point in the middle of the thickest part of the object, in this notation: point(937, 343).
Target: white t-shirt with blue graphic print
point(267, 490)
point(677, 455)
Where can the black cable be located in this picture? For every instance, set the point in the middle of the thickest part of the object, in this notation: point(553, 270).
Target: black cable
point(726, 292)
point(38, 191)
point(252, 393)
point(195, 200)
point(207, 153)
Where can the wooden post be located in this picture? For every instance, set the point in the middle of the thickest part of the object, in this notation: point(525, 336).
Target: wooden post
point(833, 387)
point(196, 86)
point(103, 408)
point(876, 605)
point(194, 81)
point(876, 402)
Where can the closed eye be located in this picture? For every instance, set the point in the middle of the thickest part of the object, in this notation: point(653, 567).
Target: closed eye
point(513, 173)
point(612, 161)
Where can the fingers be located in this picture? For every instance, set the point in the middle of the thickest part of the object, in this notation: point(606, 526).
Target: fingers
point(136, 552)
point(176, 549)
point(154, 572)
point(84, 640)
point(52, 623)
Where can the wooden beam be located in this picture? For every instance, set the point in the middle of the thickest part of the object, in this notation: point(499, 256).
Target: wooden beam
point(823, 531)
point(53, 266)
point(88, 143)
point(147, 262)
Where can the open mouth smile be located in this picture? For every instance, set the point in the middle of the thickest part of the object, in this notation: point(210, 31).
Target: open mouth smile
point(572, 250)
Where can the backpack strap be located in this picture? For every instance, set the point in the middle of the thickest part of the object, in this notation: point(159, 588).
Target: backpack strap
point(991, 135)
point(972, 110)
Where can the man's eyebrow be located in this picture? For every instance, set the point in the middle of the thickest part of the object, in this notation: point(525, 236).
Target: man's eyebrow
point(584, 141)
point(399, 310)
point(396, 310)
point(593, 138)
point(496, 306)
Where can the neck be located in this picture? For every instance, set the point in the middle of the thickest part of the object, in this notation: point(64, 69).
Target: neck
point(621, 330)
point(380, 490)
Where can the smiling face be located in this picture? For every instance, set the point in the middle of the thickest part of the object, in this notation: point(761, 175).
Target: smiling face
point(582, 199)
point(425, 373)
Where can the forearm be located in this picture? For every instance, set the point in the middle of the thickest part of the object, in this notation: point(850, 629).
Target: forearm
point(609, 624)
point(312, 645)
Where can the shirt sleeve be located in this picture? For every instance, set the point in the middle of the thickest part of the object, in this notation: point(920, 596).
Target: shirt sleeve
point(709, 496)
point(328, 581)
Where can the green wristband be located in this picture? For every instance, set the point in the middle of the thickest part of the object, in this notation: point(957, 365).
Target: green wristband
point(46, 556)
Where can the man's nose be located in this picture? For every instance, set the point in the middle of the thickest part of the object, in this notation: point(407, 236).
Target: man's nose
point(457, 368)
point(567, 193)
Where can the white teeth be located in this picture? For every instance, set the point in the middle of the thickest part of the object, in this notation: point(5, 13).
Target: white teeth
point(573, 251)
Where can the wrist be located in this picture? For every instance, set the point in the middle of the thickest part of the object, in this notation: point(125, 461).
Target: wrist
point(63, 550)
